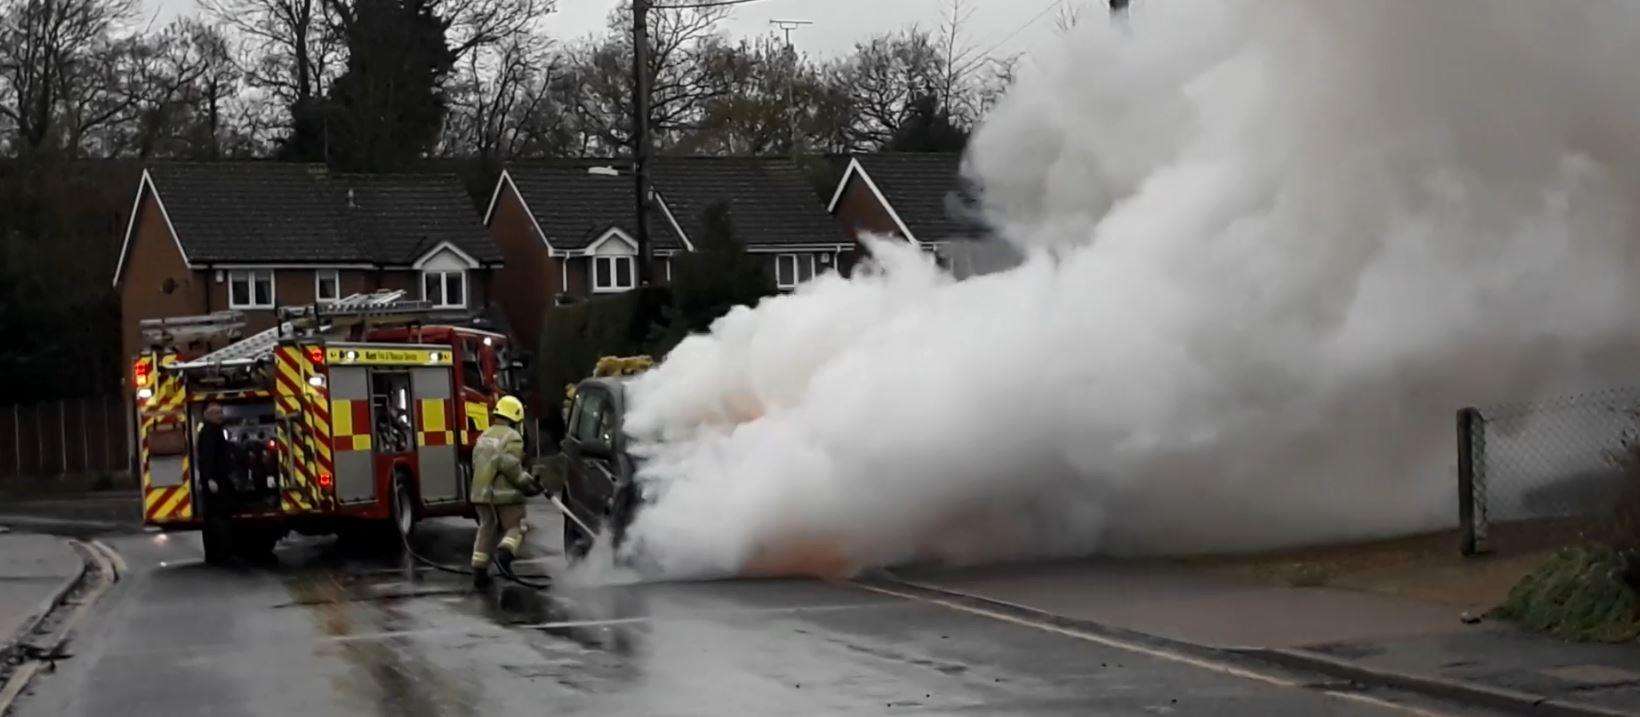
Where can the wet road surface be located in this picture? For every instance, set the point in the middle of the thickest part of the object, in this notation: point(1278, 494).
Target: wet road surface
point(333, 630)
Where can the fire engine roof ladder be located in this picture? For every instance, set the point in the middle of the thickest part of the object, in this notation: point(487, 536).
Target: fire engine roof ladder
point(378, 308)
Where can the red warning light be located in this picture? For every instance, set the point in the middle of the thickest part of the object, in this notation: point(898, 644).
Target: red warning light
point(325, 481)
point(316, 355)
point(140, 371)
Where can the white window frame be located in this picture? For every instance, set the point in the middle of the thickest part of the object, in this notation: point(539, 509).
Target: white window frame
point(318, 278)
point(250, 277)
point(796, 263)
point(442, 301)
point(614, 286)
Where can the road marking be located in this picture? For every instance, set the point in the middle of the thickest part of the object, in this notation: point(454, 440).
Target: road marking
point(1129, 646)
point(571, 624)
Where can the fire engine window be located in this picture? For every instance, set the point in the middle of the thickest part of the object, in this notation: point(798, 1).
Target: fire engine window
point(472, 371)
point(390, 408)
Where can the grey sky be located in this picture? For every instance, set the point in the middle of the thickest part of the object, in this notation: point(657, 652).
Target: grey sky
point(837, 23)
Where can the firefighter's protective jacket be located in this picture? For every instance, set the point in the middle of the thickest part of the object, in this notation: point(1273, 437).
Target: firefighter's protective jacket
point(498, 467)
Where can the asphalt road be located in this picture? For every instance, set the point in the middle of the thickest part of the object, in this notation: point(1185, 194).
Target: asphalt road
point(332, 630)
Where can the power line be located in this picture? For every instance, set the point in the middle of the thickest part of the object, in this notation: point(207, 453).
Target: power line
point(698, 5)
point(1021, 28)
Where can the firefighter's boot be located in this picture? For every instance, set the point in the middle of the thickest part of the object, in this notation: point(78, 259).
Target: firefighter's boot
point(504, 560)
point(481, 578)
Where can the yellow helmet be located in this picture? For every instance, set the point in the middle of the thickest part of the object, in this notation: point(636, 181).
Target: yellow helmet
point(510, 408)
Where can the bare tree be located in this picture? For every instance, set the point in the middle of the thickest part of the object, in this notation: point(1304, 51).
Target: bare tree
point(686, 53)
point(184, 75)
point(476, 24)
point(781, 104)
point(883, 77)
point(290, 48)
point(960, 61)
point(60, 69)
point(1068, 15)
point(499, 99)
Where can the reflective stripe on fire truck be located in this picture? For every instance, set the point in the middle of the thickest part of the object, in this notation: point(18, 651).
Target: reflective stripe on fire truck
point(350, 421)
point(478, 420)
point(303, 434)
point(435, 427)
point(165, 503)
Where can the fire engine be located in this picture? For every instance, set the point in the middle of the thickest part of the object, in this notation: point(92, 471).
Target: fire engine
point(360, 413)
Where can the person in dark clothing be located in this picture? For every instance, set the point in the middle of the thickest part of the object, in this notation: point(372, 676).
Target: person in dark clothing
point(212, 451)
point(215, 460)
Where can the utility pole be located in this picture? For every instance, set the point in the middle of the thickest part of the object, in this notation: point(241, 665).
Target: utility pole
point(640, 132)
point(791, 102)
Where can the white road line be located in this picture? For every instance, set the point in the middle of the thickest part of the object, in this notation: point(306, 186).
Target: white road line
point(603, 622)
point(1386, 704)
point(1128, 646)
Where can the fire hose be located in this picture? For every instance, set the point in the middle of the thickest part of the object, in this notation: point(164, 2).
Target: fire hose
point(505, 570)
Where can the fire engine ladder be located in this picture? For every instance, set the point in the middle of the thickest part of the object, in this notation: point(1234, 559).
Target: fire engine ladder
point(380, 308)
point(187, 329)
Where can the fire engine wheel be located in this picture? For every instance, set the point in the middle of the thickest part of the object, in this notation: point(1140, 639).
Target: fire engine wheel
point(256, 543)
point(404, 507)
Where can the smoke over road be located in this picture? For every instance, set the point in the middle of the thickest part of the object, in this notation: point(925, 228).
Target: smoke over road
point(1271, 248)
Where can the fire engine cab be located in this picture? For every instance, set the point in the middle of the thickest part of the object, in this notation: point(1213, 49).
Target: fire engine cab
point(360, 413)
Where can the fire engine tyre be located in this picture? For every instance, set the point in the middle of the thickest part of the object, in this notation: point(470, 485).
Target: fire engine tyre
point(404, 508)
point(255, 543)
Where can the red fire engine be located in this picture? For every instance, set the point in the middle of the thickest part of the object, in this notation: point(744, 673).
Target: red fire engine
point(345, 415)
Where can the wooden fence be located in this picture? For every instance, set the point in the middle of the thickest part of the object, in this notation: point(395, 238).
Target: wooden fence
point(74, 436)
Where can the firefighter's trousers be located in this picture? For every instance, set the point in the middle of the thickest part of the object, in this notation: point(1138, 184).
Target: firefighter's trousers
point(505, 522)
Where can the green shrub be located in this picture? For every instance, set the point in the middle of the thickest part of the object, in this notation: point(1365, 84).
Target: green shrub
point(1581, 593)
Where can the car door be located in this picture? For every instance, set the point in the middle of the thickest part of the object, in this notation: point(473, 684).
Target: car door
point(590, 448)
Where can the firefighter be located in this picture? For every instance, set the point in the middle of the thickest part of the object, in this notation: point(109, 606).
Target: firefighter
point(500, 485)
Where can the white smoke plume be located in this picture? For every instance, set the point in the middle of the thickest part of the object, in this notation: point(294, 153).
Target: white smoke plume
point(1272, 247)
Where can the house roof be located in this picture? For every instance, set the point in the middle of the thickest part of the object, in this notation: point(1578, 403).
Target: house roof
point(574, 208)
point(398, 218)
point(770, 200)
point(926, 191)
point(285, 213)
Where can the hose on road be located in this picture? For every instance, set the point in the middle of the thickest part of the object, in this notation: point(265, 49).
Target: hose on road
point(504, 570)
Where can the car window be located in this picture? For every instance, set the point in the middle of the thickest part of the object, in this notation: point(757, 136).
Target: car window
point(589, 418)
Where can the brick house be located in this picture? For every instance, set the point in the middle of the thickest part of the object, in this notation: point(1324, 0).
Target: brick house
point(921, 198)
point(565, 229)
point(252, 236)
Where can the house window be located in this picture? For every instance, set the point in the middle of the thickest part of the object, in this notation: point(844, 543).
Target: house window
point(250, 289)
point(327, 285)
point(792, 269)
point(613, 273)
point(445, 289)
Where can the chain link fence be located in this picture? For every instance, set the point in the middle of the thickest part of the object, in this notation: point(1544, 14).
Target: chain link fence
point(1546, 462)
